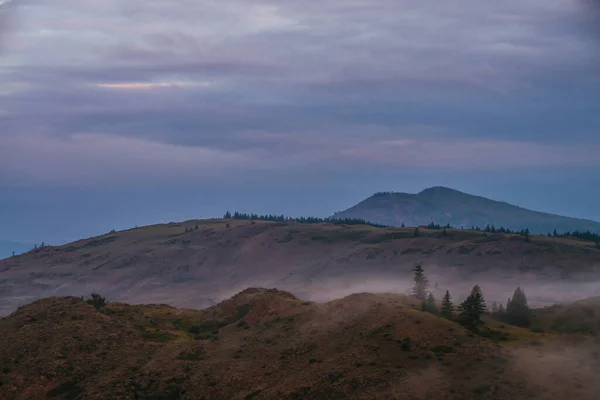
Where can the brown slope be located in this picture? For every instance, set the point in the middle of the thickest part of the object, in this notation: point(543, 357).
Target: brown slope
point(163, 264)
point(363, 346)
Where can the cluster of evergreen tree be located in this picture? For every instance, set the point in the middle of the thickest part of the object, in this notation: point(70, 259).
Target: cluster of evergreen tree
point(587, 235)
point(469, 313)
point(516, 312)
point(438, 226)
point(382, 194)
point(302, 220)
point(492, 229)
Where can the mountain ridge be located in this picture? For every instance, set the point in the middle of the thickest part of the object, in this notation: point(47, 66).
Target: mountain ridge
point(443, 205)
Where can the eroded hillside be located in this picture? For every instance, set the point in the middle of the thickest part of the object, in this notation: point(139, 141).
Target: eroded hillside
point(267, 344)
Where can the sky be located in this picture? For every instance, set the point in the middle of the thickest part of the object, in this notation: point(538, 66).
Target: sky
point(120, 113)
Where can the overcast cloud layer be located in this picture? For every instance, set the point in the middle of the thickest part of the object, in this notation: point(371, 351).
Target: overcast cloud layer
point(108, 93)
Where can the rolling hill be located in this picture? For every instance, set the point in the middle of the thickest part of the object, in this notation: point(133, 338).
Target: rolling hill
point(197, 263)
point(448, 206)
point(268, 344)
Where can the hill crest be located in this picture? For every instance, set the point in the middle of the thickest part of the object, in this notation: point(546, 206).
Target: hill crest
point(442, 205)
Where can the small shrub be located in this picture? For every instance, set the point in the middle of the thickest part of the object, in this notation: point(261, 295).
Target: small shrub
point(406, 344)
point(194, 329)
point(97, 301)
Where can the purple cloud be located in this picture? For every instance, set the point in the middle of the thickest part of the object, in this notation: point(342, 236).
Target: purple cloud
point(101, 90)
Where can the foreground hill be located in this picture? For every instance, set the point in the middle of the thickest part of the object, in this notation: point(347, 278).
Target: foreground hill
point(179, 265)
point(447, 206)
point(267, 344)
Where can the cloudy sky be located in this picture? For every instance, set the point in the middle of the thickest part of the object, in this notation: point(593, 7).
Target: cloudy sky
point(115, 113)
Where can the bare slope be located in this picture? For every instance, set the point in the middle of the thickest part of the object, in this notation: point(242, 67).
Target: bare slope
point(165, 264)
point(442, 205)
point(267, 344)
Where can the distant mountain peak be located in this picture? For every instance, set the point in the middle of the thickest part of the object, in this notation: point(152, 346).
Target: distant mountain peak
point(442, 205)
point(439, 190)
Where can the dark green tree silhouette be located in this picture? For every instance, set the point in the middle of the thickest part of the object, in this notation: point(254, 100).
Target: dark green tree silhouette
point(447, 308)
point(96, 300)
point(421, 283)
point(472, 309)
point(431, 305)
point(517, 310)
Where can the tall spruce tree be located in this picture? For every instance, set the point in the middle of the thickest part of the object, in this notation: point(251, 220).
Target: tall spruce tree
point(517, 309)
point(421, 283)
point(447, 308)
point(431, 305)
point(472, 309)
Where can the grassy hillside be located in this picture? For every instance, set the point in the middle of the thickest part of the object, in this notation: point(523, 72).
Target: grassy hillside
point(581, 317)
point(442, 205)
point(267, 344)
point(198, 268)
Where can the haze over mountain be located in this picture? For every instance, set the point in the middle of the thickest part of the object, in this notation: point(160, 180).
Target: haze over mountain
point(443, 206)
point(197, 263)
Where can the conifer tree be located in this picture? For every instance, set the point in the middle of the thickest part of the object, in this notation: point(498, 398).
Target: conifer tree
point(421, 283)
point(501, 309)
point(472, 309)
point(494, 307)
point(447, 308)
point(517, 309)
point(431, 305)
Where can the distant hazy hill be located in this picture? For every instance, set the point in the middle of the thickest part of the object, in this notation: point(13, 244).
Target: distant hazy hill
point(180, 265)
point(7, 248)
point(442, 205)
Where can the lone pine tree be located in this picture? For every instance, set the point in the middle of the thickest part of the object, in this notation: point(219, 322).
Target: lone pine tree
point(472, 309)
point(421, 283)
point(447, 308)
point(430, 305)
point(517, 310)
